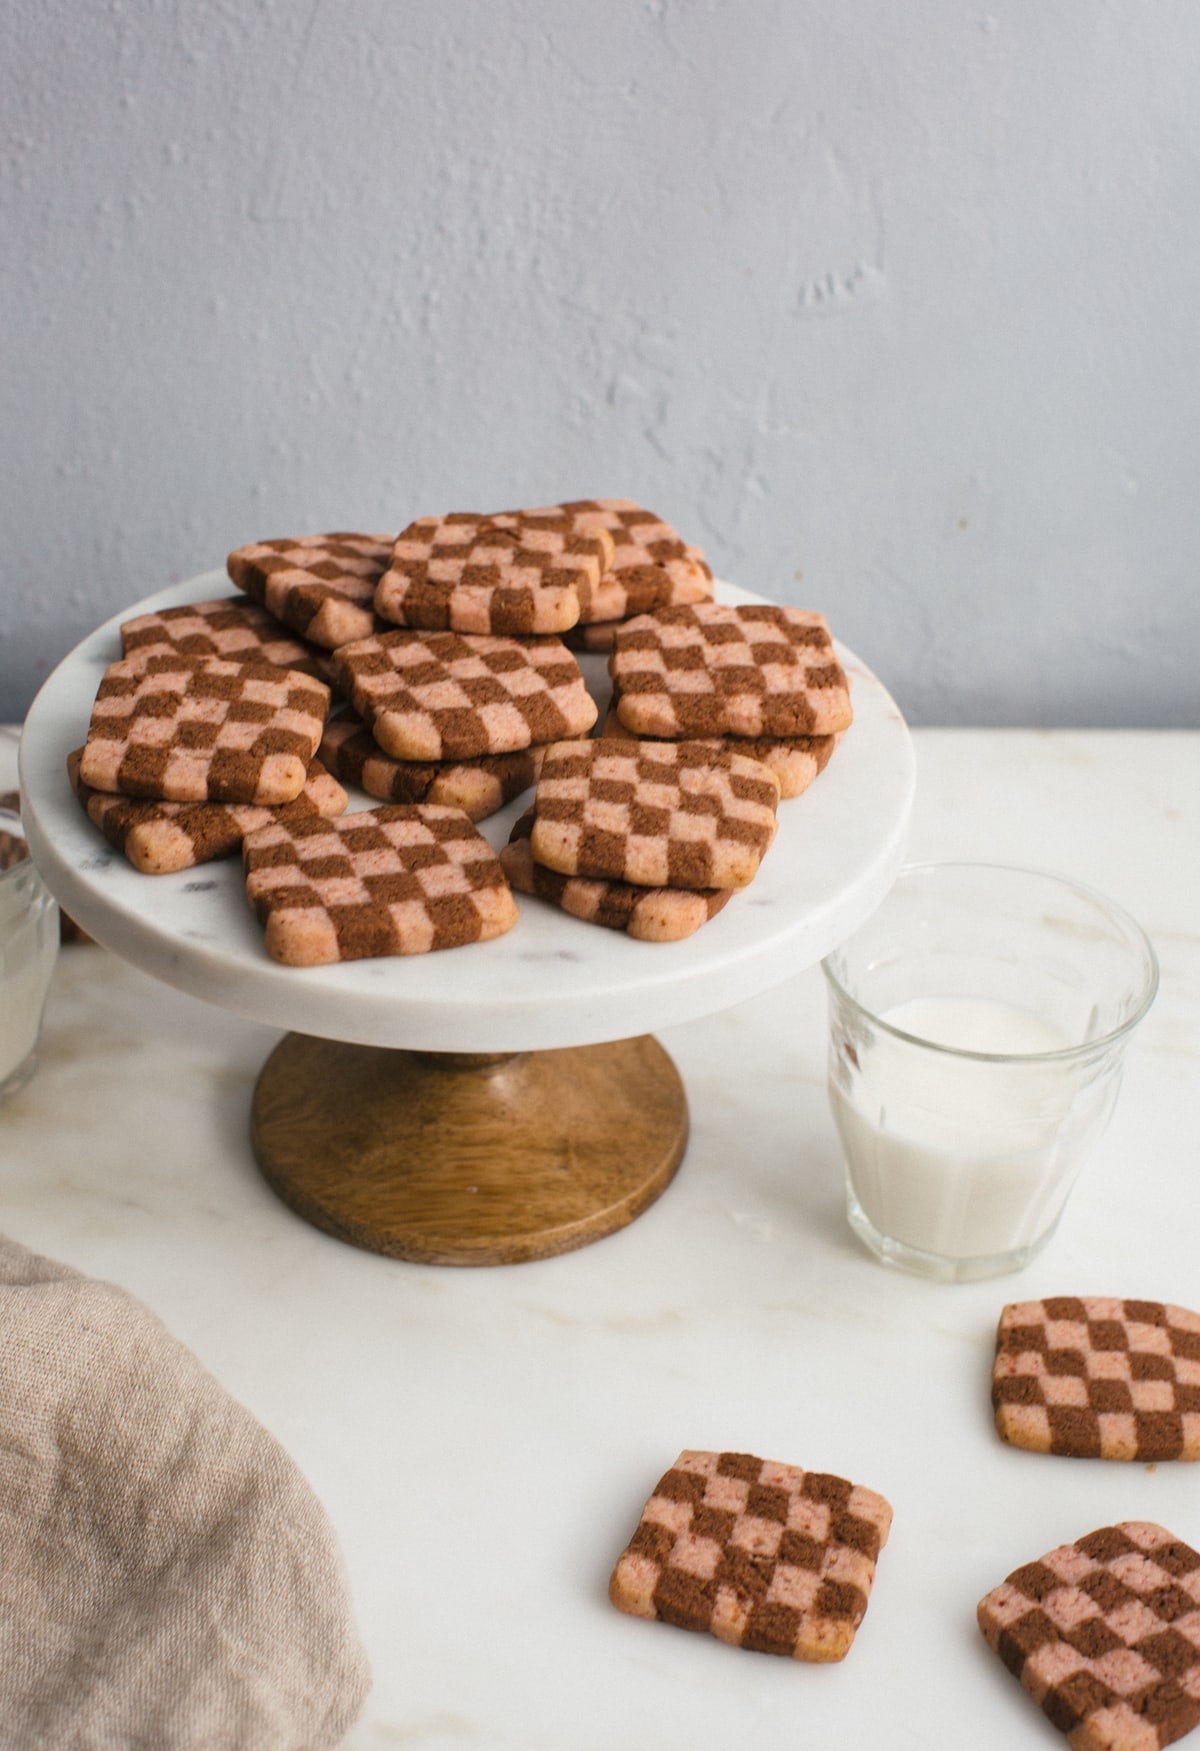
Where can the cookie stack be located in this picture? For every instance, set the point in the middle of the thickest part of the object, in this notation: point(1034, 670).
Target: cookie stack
point(760, 679)
point(578, 569)
point(186, 753)
point(647, 837)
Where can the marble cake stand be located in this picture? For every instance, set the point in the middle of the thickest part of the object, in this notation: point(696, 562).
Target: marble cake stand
point(487, 1104)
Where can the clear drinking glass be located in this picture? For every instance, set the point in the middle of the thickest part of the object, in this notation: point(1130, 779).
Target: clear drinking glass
point(29, 935)
point(977, 1026)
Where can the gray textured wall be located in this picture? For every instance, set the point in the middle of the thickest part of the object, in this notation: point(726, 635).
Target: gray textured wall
point(892, 308)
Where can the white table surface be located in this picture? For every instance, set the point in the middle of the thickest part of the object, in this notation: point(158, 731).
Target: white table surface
point(484, 1439)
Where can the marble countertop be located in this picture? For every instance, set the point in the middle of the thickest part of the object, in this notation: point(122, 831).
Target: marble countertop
point(484, 1439)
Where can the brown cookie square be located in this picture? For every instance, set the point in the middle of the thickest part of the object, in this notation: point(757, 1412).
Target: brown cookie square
point(657, 814)
point(1104, 1635)
point(764, 1556)
point(451, 696)
point(652, 566)
point(499, 574)
point(322, 586)
point(712, 669)
point(159, 838)
point(203, 729)
point(397, 880)
point(227, 626)
point(479, 785)
point(1098, 1377)
point(646, 914)
point(795, 760)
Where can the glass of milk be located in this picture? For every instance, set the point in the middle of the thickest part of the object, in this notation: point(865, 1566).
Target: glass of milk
point(977, 1025)
point(29, 934)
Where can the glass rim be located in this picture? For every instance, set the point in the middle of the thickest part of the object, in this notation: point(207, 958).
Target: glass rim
point(1060, 1054)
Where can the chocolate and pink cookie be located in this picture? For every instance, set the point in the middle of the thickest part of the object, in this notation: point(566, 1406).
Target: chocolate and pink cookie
point(397, 880)
point(712, 669)
point(1099, 1377)
point(657, 814)
point(502, 575)
point(203, 729)
point(1104, 1635)
point(321, 586)
point(452, 696)
point(765, 1556)
point(646, 914)
point(479, 786)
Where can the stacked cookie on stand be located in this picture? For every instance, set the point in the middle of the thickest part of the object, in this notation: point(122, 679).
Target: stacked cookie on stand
point(709, 701)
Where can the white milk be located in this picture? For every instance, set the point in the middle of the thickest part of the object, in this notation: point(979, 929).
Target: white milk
point(959, 1157)
point(28, 948)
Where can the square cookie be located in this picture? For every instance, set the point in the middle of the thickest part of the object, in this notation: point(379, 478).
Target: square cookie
point(465, 573)
point(322, 586)
point(159, 838)
point(398, 880)
point(1097, 1377)
point(795, 760)
point(479, 785)
point(657, 814)
point(646, 914)
point(451, 696)
point(651, 567)
point(711, 669)
point(761, 1555)
point(203, 729)
point(1104, 1635)
point(227, 626)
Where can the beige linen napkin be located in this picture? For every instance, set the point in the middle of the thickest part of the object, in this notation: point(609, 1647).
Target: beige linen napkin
point(167, 1577)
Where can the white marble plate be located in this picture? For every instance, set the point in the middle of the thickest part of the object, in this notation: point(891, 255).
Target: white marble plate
point(552, 981)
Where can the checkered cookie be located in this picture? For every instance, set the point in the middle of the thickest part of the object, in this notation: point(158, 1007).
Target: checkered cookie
point(660, 815)
point(1099, 1378)
point(479, 786)
point(652, 566)
point(647, 914)
point(448, 696)
point(229, 627)
point(160, 838)
point(397, 880)
point(464, 573)
point(322, 586)
point(762, 1555)
point(711, 669)
point(201, 729)
point(795, 760)
point(1104, 1634)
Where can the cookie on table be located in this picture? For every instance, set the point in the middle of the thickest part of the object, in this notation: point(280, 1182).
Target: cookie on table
point(451, 696)
point(712, 669)
point(479, 786)
point(465, 573)
point(1104, 1635)
point(651, 567)
point(795, 760)
point(761, 1555)
point(203, 729)
point(322, 586)
point(657, 814)
point(226, 626)
point(160, 838)
point(1098, 1377)
point(646, 914)
point(402, 879)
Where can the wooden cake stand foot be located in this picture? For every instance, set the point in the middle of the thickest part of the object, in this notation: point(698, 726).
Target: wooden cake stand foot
point(468, 1159)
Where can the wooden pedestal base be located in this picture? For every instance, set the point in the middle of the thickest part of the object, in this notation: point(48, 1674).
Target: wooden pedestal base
point(474, 1159)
